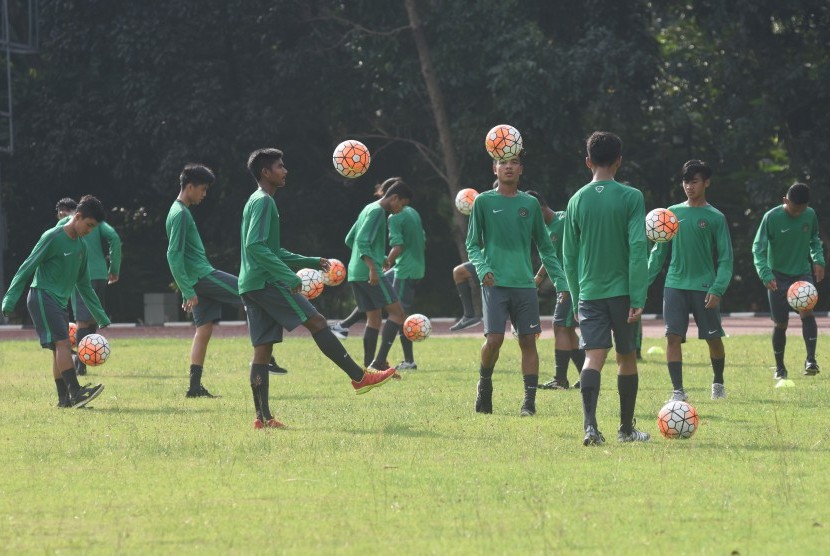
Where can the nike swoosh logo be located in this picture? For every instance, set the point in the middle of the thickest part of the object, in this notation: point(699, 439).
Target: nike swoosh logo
point(713, 331)
point(67, 254)
point(681, 220)
point(785, 231)
point(534, 325)
point(495, 211)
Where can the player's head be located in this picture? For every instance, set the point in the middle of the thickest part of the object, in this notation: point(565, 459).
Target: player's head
point(604, 149)
point(797, 199)
point(65, 207)
point(538, 196)
point(88, 215)
point(696, 176)
point(266, 165)
point(382, 188)
point(194, 182)
point(509, 171)
point(396, 197)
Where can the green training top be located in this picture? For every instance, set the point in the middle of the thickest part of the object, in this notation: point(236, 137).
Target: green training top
point(263, 261)
point(95, 239)
point(556, 228)
point(604, 250)
point(783, 244)
point(405, 229)
point(367, 237)
point(59, 264)
point(702, 232)
point(185, 251)
point(499, 235)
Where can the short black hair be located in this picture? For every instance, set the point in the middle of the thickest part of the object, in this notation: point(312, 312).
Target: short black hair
point(91, 207)
point(695, 167)
point(197, 174)
point(604, 148)
point(382, 188)
point(67, 203)
point(538, 196)
point(261, 159)
point(799, 193)
point(400, 189)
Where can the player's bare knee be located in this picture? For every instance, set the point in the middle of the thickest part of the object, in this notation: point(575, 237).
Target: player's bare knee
point(673, 340)
point(316, 323)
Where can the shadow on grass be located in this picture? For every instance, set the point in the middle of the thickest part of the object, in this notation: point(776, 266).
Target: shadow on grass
point(170, 410)
point(396, 430)
point(148, 377)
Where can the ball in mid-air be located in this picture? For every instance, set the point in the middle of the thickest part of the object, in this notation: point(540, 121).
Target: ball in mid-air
point(93, 350)
point(661, 225)
point(464, 200)
point(351, 158)
point(336, 273)
point(312, 282)
point(417, 328)
point(802, 296)
point(503, 142)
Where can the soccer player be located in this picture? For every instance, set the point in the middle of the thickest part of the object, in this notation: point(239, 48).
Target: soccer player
point(693, 284)
point(503, 223)
point(565, 340)
point(604, 255)
point(58, 263)
point(463, 275)
point(785, 244)
point(372, 289)
point(270, 289)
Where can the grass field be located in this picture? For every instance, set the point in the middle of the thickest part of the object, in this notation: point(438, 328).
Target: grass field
point(408, 468)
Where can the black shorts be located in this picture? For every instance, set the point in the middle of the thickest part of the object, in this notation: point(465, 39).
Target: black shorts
point(50, 319)
point(599, 318)
point(370, 298)
point(79, 308)
point(404, 289)
point(273, 308)
point(214, 290)
point(471, 268)
point(563, 313)
point(677, 304)
point(779, 307)
point(520, 305)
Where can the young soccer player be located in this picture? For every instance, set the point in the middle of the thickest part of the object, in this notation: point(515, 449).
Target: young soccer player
point(58, 263)
point(566, 342)
point(503, 223)
point(604, 255)
point(786, 241)
point(693, 283)
point(270, 289)
point(372, 289)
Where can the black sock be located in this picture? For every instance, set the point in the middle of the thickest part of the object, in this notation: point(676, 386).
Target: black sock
point(370, 344)
point(81, 333)
point(627, 386)
point(356, 316)
point(485, 373)
point(561, 360)
point(531, 383)
point(589, 383)
point(717, 369)
point(259, 388)
point(779, 343)
point(578, 357)
point(63, 391)
point(406, 345)
point(809, 329)
point(676, 374)
point(71, 381)
point(195, 377)
point(334, 350)
point(387, 340)
point(465, 292)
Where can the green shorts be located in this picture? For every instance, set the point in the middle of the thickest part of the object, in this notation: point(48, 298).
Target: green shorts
point(272, 309)
point(50, 319)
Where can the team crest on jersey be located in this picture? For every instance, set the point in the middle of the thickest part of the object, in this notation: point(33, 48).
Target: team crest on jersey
point(523, 212)
point(805, 228)
point(554, 238)
point(599, 188)
point(701, 224)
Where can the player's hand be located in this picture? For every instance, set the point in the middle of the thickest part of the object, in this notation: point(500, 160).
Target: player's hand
point(772, 285)
point(538, 279)
point(112, 279)
point(634, 314)
point(489, 279)
point(190, 303)
point(297, 288)
point(712, 300)
point(387, 263)
point(818, 272)
point(563, 297)
point(373, 277)
point(325, 265)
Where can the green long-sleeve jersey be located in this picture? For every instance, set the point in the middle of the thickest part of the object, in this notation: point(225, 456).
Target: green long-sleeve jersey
point(702, 235)
point(95, 240)
point(605, 249)
point(59, 264)
point(499, 235)
point(556, 227)
point(367, 237)
point(263, 260)
point(787, 244)
point(406, 230)
point(185, 251)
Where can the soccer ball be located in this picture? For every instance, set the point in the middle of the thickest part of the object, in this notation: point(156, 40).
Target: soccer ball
point(73, 331)
point(351, 158)
point(312, 282)
point(503, 142)
point(93, 350)
point(336, 273)
point(464, 200)
point(677, 420)
point(661, 225)
point(416, 328)
point(802, 296)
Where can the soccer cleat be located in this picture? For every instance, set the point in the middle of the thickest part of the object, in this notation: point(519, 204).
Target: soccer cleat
point(275, 369)
point(484, 397)
point(528, 409)
point(339, 330)
point(371, 379)
point(274, 424)
point(593, 437)
point(576, 385)
point(64, 403)
point(780, 374)
point(259, 424)
point(556, 384)
point(85, 395)
point(407, 366)
point(200, 392)
point(718, 391)
point(633, 435)
point(464, 323)
point(678, 396)
point(811, 368)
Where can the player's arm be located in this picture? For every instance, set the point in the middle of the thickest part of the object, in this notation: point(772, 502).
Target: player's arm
point(759, 256)
point(726, 260)
point(89, 296)
point(656, 260)
point(255, 245)
point(475, 241)
point(396, 240)
point(547, 252)
point(114, 242)
point(176, 242)
point(25, 272)
point(293, 260)
point(570, 253)
point(637, 258)
point(817, 251)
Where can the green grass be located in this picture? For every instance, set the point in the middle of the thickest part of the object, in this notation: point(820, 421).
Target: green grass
point(407, 468)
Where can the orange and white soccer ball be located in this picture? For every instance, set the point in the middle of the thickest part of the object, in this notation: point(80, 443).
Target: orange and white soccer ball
point(464, 200)
point(312, 282)
point(93, 350)
point(503, 142)
point(351, 158)
point(802, 296)
point(336, 273)
point(73, 334)
point(417, 328)
point(661, 225)
point(677, 420)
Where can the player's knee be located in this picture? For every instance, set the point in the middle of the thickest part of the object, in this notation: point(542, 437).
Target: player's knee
point(316, 323)
point(781, 325)
point(673, 340)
